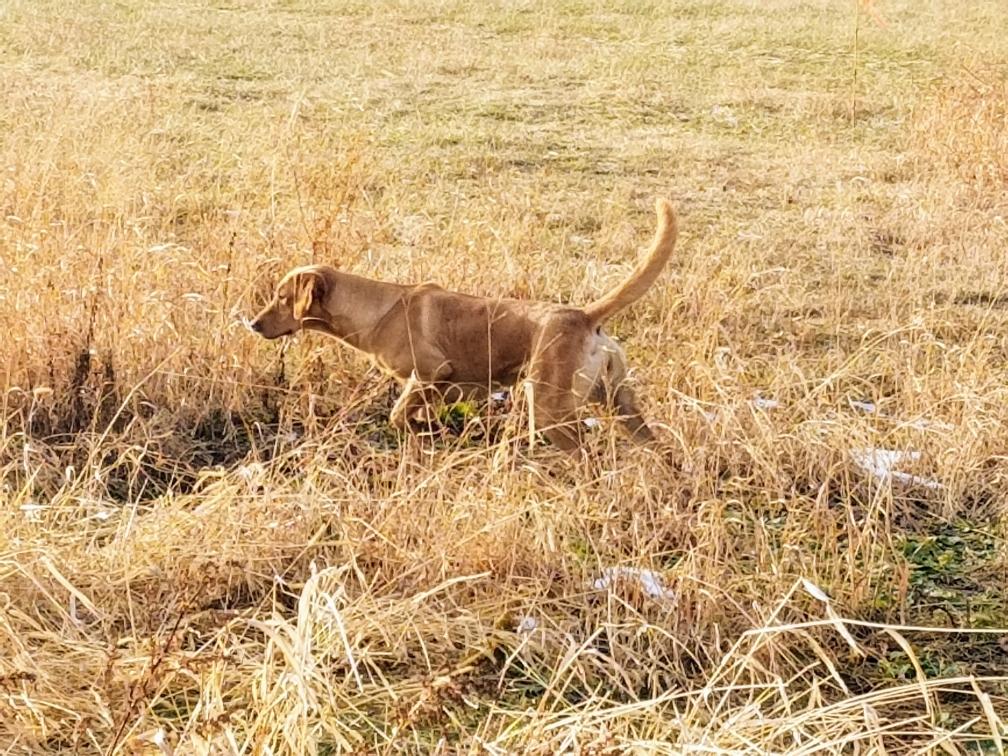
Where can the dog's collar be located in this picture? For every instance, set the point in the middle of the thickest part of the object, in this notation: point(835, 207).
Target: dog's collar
point(319, 324)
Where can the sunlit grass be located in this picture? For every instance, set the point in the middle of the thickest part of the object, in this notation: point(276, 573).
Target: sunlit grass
point(212, 544)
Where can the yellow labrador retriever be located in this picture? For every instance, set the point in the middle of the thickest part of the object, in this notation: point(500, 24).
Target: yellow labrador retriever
point(443, 345)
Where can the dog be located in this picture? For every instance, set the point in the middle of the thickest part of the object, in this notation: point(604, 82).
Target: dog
point(444, 346)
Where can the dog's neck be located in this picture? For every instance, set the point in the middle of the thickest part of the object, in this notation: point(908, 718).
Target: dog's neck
point(354, 307)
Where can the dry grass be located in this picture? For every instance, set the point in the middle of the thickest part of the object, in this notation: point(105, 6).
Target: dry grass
point(214, 544)
point(965, 128)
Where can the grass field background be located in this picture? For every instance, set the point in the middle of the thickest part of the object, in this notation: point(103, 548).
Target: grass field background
point(211, 544)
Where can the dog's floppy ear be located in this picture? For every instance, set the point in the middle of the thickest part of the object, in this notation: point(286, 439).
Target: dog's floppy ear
point(308, 289)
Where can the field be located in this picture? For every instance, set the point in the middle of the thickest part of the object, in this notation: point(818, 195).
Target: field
point(211, 543)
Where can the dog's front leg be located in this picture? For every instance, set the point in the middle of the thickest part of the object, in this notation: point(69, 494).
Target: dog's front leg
point(412, 399)
point(417, 397)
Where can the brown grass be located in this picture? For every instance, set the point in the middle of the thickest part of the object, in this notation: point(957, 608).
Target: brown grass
point(965, 128)
point(214, 544)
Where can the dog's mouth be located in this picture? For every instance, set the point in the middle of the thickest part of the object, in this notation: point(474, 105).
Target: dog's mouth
point(256, 327)
point(275, 336)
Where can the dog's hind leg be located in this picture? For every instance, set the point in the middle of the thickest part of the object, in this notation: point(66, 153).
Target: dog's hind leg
point(625, 403)
point(555, 411)
point(613, 390)
point(551, 376)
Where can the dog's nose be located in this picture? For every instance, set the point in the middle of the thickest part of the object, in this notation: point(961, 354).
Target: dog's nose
point(256, 326)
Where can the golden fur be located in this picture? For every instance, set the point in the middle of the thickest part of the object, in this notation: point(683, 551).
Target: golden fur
point(443, 345)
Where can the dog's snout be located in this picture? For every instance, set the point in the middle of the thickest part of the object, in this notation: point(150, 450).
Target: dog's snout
point(255, 325)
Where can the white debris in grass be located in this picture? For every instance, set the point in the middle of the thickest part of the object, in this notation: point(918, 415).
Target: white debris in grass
point(251, 471)
point(760, 402)
point(724, 115)
point(650, 582)
point(527, 624)
point(868, 407)
point(591, 422)
point(880, 463)
point(33, 511)
point(920, 423)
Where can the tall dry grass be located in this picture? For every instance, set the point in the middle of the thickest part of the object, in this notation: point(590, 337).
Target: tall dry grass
point(212, 544)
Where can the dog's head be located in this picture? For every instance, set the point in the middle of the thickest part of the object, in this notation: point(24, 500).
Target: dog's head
point(298, 297)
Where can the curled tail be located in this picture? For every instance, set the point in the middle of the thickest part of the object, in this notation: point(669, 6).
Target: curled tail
point(645, 273)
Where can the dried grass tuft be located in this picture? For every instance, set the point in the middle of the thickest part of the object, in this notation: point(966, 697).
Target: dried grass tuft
point(213, 544)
